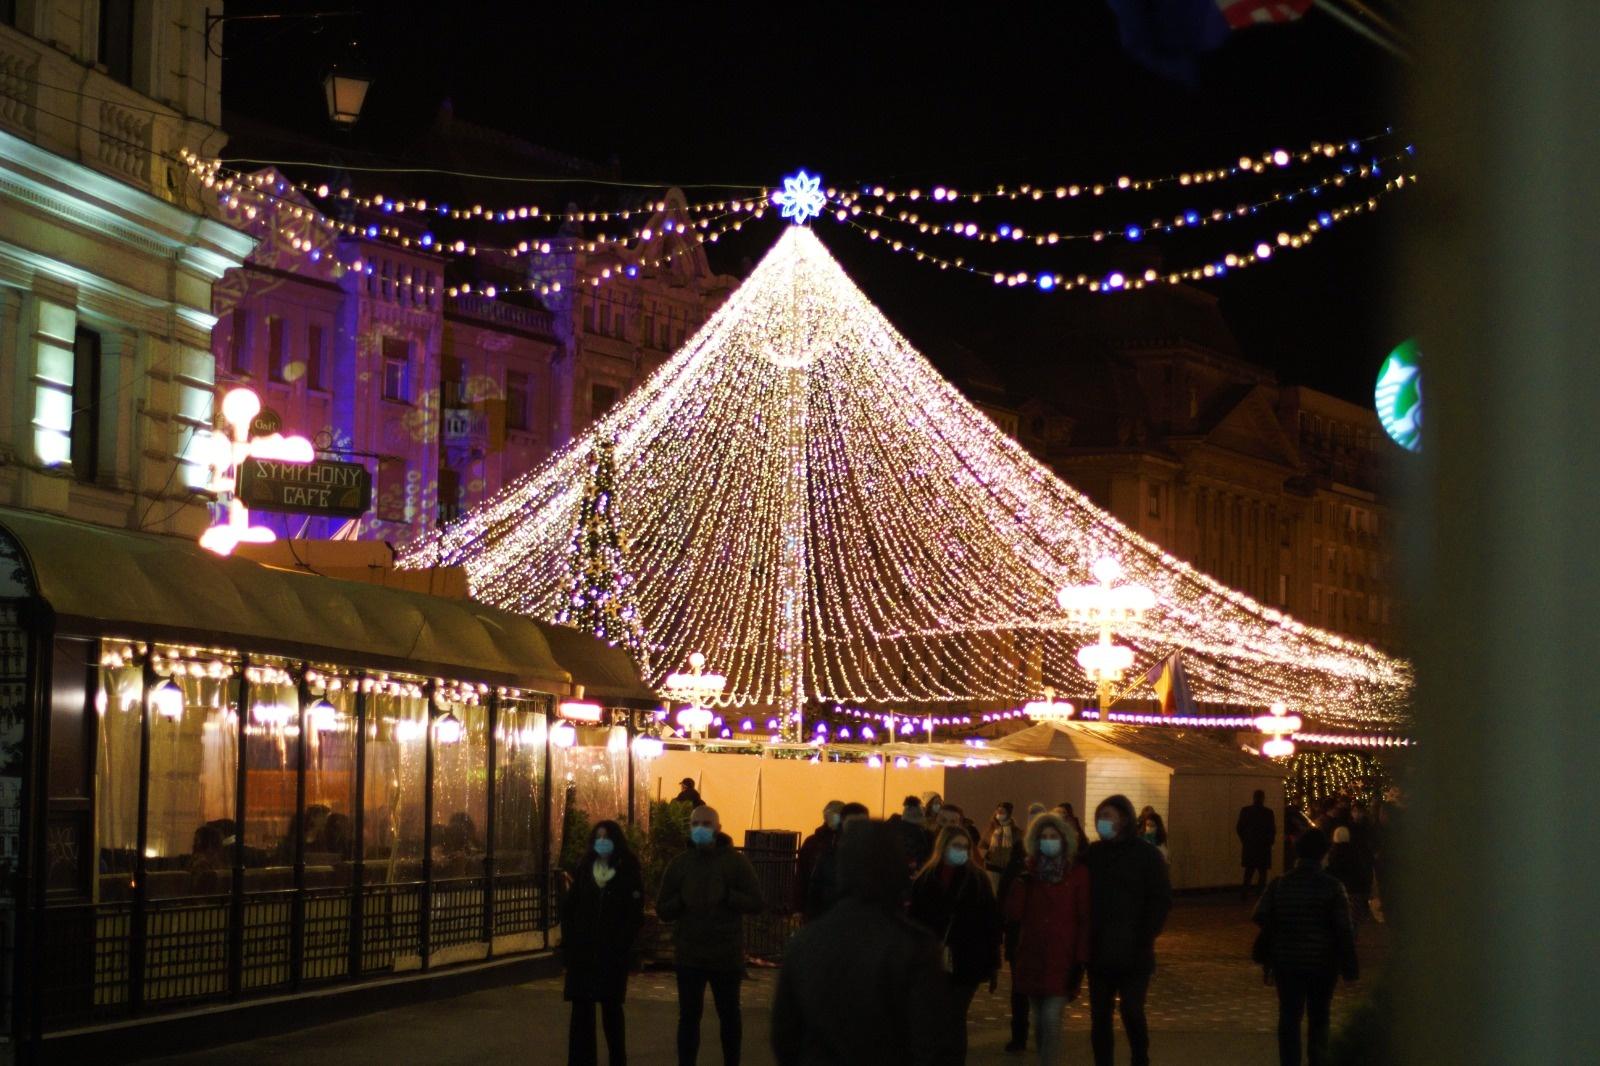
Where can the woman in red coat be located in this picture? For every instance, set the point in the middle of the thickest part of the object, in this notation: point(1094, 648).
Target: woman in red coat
point(1050, 903)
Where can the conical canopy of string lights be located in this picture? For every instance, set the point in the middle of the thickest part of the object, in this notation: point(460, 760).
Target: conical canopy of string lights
point(828, 520)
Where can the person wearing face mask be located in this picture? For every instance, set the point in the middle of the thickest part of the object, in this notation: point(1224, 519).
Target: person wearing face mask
point(1307, 943)
point(1130, 900)
point(600, 919)
point(705, 894)
point(951, 897)
point(821, 840)
point(1021, 1009)
point(999, 843)
point(1152, 830)
point(1050, 902)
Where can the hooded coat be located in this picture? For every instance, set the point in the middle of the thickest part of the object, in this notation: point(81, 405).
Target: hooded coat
point(705, 894)
point(599, 925)
point(863, 985)
point(818, 844)
point(1053, 918)
point(1131, 896)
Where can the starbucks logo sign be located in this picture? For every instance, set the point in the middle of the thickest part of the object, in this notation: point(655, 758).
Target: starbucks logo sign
point(1398, 395)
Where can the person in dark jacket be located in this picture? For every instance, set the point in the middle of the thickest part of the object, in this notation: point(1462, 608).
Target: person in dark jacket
point(1257, 829)
point(1020, 1008)
point(862, 985)
point(820, 841)
point(1050, 904)
point(600, 920)
point(915, 839)
point(1310, 942)
point(823, 889)
point(1129, 904)
point(952, 898)
point(705, 894)
point(688, 795)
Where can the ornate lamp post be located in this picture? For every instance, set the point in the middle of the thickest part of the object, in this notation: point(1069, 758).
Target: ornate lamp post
point(1279, 727)
point(1047, 709)
point(695, 688)
point(1103, 604)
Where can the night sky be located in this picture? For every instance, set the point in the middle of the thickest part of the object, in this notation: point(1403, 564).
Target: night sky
point(897, 94)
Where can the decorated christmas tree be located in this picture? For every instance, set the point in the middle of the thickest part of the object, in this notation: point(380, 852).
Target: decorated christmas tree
point(599, 597)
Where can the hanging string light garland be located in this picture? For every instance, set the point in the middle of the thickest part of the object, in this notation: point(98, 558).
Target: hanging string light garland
point(1116, 280)
point(1246, 166)
point(1131, 232)
point(934, 544)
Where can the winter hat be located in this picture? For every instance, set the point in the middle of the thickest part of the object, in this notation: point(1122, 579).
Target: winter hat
point(1341, 835)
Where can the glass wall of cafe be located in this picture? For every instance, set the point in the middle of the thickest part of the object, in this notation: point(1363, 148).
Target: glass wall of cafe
point(244, 824)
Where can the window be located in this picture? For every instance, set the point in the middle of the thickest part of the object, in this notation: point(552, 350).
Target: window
point(277, 353)
point(392, 490)
point(316, 359)
point(1283, 590)
point(396, 369)
point(239, 342)
point(116, 39)
point(449, 495)
point(516, 399)
point(588, 317)
point(601, 399)
point(85, 404)
point(1155, 501)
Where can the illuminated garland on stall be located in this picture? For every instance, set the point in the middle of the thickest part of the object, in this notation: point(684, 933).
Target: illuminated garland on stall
point(1314, 777)
point(933, 544)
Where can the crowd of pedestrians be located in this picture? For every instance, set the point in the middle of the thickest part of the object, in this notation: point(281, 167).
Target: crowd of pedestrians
point(904, 920)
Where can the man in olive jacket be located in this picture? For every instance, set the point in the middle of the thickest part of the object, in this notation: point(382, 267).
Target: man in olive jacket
point(705, 894)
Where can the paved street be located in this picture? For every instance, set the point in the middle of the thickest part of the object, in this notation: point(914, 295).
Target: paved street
point(1208, 1007)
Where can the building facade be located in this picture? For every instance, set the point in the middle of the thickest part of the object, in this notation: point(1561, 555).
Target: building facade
point(1275, 490)
point(444, 393)
point(106, 266)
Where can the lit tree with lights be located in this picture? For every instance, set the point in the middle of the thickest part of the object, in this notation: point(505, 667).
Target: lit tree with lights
point(830, 521)
point(599, 596)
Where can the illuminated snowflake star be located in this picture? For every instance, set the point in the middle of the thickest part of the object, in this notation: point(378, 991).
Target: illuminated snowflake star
point(802, 198)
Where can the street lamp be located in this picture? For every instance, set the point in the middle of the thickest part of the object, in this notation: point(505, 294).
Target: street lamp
point(696, 688)
point(1103, 605)
point(346, 89)
point(1279, 727)
point(1047, 709)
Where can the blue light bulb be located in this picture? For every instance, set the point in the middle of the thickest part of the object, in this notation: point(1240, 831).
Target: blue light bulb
point(1133, 233)
point(1047, 282)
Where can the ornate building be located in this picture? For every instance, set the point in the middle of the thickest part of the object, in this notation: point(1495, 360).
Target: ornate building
point(1145, 404)
point(106, 379)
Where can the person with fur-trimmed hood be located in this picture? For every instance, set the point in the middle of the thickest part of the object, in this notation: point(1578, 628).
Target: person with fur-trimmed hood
point(1049, 901)
point(1131, 895)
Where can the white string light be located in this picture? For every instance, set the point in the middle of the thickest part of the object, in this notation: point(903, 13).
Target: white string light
point(934, 543)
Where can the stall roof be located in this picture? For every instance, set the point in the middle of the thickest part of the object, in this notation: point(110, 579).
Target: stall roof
point(104, 581)
point(605, 671)
point(1177, 749)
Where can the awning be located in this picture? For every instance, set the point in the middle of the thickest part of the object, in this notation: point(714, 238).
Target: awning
point(102, 581)
point(606, 672)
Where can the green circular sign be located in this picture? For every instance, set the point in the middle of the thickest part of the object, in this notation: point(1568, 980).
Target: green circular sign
point(1398, 395)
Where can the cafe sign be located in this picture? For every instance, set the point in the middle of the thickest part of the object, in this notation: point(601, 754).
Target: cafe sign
point(321, 487)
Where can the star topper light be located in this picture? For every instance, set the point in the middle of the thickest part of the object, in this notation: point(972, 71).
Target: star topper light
point(802, 198)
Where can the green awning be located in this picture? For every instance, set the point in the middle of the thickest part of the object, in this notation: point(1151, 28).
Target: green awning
point(606, 672)
point(102, 581)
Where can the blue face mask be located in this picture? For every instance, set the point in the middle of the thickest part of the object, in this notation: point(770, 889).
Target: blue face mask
point(604, 846)
point(833, 820)
point(1106, 828)
point(1050, 847)
point(701, 835)
point(955, 856)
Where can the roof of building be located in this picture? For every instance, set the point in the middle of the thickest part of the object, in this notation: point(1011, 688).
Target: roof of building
point(1185, 751)
point(143, 585)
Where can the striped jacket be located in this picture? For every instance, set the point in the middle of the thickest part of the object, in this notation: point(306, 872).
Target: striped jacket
point(1305, 917)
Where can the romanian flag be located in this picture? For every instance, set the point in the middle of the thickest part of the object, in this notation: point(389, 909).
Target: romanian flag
point(1171, 685)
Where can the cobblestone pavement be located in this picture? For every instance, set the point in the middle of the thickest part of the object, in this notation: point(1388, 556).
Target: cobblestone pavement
point(1207, 1007)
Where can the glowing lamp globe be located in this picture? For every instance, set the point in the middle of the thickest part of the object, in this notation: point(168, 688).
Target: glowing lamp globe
point(166, 699)
point(648, 747)
point(563, 735)
point(1105, 661)
point(695, 719)
point(240, 406)
point(449, 730)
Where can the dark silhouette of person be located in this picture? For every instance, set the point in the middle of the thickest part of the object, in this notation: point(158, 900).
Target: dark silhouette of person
point(1257, 828)
point(688, 794)
point(863, 985)
point(1307, 943)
